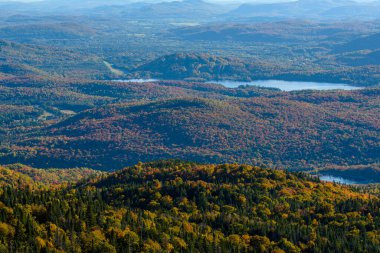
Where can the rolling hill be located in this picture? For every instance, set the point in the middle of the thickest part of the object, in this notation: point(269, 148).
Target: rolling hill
point(186, 207)
point(306, 9)
point(23, 60)
point(195, 66)
point(206, 67)
point(297, 131)
point(176, 10)
point(365, 43)
point(361, 58)
point(31, 32)
point(21, 176)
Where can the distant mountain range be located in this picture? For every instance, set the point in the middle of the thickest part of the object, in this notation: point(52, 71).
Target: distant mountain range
point(307, 9)
point(201, 10)
point(371, 42)
point(178, 10)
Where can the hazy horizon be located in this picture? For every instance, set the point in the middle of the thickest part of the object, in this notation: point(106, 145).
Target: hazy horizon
point(215, 1)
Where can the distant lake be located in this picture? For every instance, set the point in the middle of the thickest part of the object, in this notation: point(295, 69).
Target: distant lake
point(279, 84)
point(288, 85)
point(137, 80)
point(341, 180)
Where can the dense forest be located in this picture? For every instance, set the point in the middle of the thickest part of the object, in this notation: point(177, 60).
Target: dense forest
point(173, 206)
point(108, 126)
point(21, 176)
point(114, 45)
point(97, 97)
point(204, 67)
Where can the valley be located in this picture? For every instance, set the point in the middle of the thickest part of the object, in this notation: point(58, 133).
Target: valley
point(117, 124)
point(189, 126)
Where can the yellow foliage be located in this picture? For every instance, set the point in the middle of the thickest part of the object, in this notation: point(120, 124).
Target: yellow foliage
point(179, 243)
point(98, 234)
point(175, 230)
point(242, 200)
point(41, 243)
point(6, 230)
point(152, 246)
point(237, 241)
point(278, 251)
point(187, 227)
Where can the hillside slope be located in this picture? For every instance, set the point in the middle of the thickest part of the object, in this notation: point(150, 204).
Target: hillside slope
point(21, 176)
point(195, 66)
point(184, 207)
point(365, 43)
point(23, 60)
point(307, 9)
point(205, 67)
point(300, 130)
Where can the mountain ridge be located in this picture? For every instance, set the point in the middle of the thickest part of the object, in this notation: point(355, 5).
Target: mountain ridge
point(254, 130)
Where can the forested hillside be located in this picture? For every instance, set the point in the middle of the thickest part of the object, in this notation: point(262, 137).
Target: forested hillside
point(174, 206)
point(258, 105)
point(361, 70)
point(298, 131)
point(196, 66)
point(184, 207)
point(21, 176)
point(48, 61)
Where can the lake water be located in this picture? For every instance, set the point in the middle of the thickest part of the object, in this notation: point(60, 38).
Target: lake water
point(340, 180)
point(288, 85)
point(279, 84)
point(137, 80)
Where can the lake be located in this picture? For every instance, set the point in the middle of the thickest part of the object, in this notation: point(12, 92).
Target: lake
point(341, 180)
point(289, 85)
point(279, 84)
point(137, 80)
